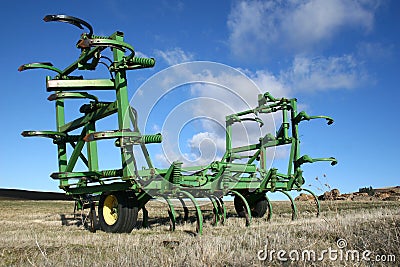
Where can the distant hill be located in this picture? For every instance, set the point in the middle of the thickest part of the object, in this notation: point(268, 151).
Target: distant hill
point(387, 193)
point(17, 194)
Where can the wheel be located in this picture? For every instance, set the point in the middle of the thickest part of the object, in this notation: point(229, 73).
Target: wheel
point(239, 206)
point(118, 212)
point(258, 208)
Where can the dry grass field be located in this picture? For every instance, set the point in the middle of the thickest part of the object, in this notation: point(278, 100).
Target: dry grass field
point(45, 233)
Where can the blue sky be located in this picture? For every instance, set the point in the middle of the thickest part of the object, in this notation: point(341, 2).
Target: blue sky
point(337, 57)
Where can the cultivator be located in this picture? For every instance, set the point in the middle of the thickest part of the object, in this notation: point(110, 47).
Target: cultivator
point(121, 193)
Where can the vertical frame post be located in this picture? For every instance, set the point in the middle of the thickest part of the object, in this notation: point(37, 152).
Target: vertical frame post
point(228, 140)
point(62, 146)
point(93, 161)
point(127, 156)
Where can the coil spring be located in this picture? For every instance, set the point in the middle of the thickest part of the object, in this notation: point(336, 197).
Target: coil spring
point(99, 37)
point(226, 176)
point(111, 173)
point(176, 173)
point(152, 138)
point(148, 62)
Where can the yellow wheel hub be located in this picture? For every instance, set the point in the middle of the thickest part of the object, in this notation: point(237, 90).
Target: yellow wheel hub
point(110, 210)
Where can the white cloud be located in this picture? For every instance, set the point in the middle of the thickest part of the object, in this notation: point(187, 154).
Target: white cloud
point(316, 20)
point(140, 54)
point(215, 90)
point(206, 147)
point(175, 56)
point(156, 128)
point(258, 27)
point(249, 26)
point(320, 73)
point(270, 82)
point(240, 94)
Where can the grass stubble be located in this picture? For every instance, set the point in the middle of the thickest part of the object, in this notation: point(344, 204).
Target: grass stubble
point(45, 233)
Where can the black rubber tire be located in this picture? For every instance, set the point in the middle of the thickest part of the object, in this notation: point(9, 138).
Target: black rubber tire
point(239, 206)
point(258, 209)
point(126, 209)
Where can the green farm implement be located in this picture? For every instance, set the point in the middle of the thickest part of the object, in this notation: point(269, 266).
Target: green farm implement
point(121, 193)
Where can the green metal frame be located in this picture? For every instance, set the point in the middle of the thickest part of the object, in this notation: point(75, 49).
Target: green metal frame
point(250, 180)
